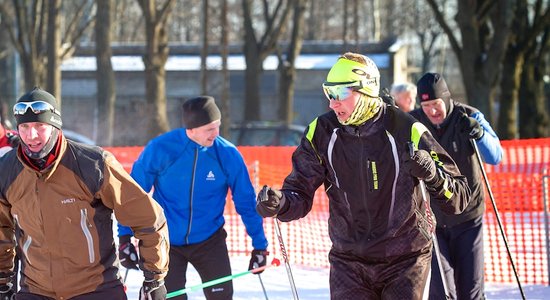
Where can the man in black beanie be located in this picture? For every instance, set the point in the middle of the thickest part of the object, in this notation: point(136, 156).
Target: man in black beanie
point(190, 171)
point(455, 126)
point(57, 198)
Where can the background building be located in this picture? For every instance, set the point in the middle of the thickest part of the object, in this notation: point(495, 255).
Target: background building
point(183, 81)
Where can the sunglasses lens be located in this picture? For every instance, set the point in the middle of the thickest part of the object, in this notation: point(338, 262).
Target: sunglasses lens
point(337, 93)
point(20, 108)
point(37, 107)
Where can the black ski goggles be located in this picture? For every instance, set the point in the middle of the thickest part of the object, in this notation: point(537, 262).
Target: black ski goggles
point(37, 107)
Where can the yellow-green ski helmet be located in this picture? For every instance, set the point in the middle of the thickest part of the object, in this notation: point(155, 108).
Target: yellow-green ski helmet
point(347, 71)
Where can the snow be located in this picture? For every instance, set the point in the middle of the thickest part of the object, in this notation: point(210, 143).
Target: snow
point(311, 284)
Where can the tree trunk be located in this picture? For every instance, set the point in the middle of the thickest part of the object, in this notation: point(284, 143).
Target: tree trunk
point(533, 114)
point(53, 78)
point(479, 52)
point(30, 74)
point(226, 102)
point(204, 50)
point(106, 91)
point(36, 36)
point(257, 49)
point(252, 75)
point(287, 69)
point(534, 121)
point(155, 91)
point(509, 86)
point(154, 60)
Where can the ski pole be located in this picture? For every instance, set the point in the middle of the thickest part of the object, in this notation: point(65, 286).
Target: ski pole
point(275, 262)
point(434, 236)
point(478, 156)
point(285, 257)
point(125, 275)
point(261, 282)
point(124, 280)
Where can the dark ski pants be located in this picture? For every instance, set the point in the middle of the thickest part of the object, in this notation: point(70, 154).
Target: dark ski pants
point(462, 260)
point(401, 277)
point(210, 259)
point(114, 293)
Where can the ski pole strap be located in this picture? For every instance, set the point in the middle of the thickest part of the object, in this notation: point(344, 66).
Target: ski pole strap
point(275, 263)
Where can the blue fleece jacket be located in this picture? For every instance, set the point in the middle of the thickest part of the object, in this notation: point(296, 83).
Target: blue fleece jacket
point(191, 183)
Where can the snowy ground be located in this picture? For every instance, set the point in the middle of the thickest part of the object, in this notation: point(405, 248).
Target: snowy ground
point(312, 284)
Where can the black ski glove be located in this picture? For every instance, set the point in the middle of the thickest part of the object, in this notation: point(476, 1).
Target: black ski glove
point(7, 292)
point(258, 259)
point(470, 127)
point(127, 253)
point(152, 290)
point(269, 202)
point(420, 165)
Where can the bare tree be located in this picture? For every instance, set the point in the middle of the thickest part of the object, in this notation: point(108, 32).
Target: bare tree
point(287, 69)
point(533, 110)
point(345, 27)
point(35, 37)
point(484, 30)
point(156, 53)
point(53, 45)
point(256, 49)
point(427, 32)
point(529, 26)
point(204, 49)
point(27, 36)
point(376, 20)
point(355, 24)
point(226, 103)
point(128, 27)
point(105, 75)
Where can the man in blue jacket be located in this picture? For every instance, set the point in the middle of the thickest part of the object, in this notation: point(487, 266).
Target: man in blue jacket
point(455, 125)
point(190, 171)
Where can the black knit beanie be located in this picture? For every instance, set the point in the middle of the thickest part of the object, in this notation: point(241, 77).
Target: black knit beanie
point(432, 86)
point(200, 111)
point(50, 117)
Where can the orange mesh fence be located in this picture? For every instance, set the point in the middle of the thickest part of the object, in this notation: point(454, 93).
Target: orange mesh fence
point(519, 185)
point(520, 188)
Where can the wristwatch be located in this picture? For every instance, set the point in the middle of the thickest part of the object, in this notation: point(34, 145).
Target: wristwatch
point(149, 285)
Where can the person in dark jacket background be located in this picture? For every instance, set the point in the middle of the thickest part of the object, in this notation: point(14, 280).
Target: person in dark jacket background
point(191, 170)
point(455, 126)
point(380, 225)
point(8, 137)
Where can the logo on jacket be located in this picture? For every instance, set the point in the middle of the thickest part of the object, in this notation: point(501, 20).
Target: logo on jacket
point(210, 176)
point(67, 201)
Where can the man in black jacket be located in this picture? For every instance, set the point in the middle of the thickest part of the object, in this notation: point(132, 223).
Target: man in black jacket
point(380, 225)
point(455, 126)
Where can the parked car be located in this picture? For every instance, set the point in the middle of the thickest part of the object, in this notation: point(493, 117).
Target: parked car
point(266, 134)
point(77, 137)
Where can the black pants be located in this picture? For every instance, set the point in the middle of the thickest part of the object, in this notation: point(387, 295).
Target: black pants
point(403, 277)
point(462, 261)
point(114, 293)
point(210, 259)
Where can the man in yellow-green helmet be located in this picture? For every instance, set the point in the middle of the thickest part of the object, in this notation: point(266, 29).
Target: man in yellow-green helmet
point(371, 158)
